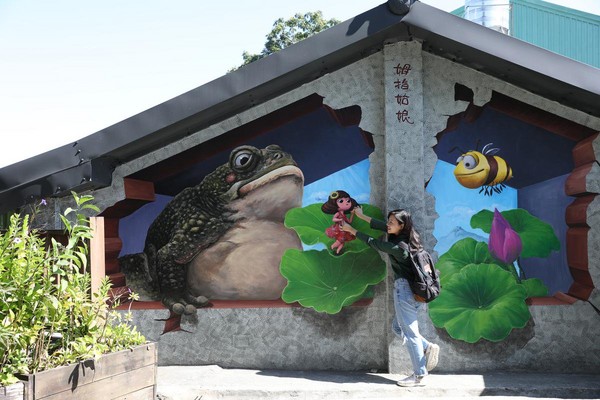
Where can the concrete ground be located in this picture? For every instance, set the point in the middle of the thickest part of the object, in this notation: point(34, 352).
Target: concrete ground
point(213, 382)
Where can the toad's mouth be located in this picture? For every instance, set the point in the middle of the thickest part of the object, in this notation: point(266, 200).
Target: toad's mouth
point(285, 171)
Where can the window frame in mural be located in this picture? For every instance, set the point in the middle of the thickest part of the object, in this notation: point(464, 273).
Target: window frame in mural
point(584, 159)
point(487, 290)
point(140, 188)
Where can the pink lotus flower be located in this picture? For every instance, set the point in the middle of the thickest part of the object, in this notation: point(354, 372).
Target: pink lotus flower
point(504, 243)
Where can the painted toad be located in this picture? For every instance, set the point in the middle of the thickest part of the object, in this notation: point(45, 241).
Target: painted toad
point(224, 238)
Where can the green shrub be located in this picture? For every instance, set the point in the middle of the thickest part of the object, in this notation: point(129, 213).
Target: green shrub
point(48, 317)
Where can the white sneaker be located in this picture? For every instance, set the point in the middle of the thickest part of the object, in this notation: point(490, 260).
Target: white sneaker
point(411, 381)
point(432, 353)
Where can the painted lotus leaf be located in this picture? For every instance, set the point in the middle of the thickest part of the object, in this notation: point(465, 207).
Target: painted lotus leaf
point(310, 223)
point(327, 283)
point(482, 301)
point(535, 287)
point(367, 294)
point(464, 252)
point(538, 237)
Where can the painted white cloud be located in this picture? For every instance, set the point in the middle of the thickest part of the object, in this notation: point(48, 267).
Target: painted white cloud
point(461, 213)
point(362, 197)
point(317, 197)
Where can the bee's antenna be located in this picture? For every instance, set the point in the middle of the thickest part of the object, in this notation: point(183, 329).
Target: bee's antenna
point(488, 151)
point(456, 148)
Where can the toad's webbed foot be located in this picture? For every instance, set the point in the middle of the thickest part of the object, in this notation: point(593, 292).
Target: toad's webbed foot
point(186, 305)
point(198, 301)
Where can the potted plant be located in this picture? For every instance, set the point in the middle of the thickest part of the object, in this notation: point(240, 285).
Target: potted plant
point(58, 340)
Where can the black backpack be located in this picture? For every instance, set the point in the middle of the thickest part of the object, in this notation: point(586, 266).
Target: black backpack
point(426, 279)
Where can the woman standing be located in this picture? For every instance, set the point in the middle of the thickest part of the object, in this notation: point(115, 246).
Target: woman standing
point(423, 354)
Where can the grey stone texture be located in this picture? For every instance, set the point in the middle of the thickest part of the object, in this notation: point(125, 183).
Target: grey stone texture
point(557, 338)
point(273, 338)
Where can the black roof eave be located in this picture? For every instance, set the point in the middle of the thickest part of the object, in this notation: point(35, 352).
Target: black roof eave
point(79, 165)
point(522, 64)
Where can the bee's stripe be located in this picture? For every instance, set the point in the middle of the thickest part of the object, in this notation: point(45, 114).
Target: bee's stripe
point(493, 170)
point(508, 171)
point(503, 171)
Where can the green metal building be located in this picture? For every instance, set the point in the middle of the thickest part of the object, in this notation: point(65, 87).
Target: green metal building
point(565, 31)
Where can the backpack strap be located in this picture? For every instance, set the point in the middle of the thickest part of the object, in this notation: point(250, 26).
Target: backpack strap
point(412, 257)
point(404, 246)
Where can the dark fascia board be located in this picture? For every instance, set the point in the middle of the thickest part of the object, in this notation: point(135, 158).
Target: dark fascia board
point(89, 175)
point(534, 69)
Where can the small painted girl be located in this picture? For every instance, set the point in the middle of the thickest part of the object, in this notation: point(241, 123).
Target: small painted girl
point(339, 203)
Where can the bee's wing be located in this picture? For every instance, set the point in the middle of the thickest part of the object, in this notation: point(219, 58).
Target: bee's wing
point(488, 151)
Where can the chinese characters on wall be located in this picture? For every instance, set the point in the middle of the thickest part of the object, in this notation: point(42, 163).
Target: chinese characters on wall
point(402, 86)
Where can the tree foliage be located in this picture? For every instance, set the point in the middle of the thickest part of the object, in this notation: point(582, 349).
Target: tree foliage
point(287, 32)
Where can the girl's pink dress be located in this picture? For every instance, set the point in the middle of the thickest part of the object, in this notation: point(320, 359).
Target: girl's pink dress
point(335, 231)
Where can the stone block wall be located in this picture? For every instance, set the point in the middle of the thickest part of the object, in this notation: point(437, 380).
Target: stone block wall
point(557, 338)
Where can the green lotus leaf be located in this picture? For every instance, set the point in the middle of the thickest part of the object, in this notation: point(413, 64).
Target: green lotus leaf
point(369, 293)
point(464, 252)
point(482, 301)
point(537, 236)
point(535, 287)
point(310, 223)
point(327, 283)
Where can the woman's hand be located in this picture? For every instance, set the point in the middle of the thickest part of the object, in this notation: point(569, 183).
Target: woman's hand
point(359, 213)
point(348, 228)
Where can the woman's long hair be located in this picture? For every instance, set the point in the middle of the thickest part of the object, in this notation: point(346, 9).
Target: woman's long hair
point(414, 239)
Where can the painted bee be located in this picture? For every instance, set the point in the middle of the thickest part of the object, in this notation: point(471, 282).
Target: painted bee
point(483, 169)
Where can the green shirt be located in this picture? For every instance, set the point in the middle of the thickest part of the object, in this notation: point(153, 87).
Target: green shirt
point(398, 257)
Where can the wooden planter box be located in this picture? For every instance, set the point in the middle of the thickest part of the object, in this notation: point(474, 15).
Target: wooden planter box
point(12, 392)
point(127, 374)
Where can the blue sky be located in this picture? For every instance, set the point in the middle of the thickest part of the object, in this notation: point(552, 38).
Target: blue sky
point(69, 68)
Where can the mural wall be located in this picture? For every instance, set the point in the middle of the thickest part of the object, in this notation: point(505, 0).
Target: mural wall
point(404, 169)
point(218, 228)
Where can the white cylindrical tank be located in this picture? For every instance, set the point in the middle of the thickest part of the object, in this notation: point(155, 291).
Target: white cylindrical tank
point(493, 14)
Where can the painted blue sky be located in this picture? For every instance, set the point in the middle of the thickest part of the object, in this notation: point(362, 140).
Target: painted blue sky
point(353, 179)
point(456, 204)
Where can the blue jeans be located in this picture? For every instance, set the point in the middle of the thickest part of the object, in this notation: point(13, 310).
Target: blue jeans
point(406, 326)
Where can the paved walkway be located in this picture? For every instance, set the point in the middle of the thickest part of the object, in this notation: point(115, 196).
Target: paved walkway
point(213, 382)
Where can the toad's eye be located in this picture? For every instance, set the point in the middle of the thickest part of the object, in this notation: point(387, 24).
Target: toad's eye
point(243, 160)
